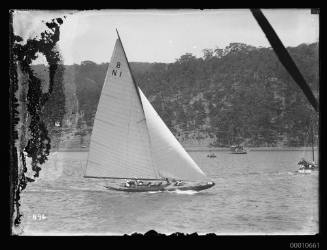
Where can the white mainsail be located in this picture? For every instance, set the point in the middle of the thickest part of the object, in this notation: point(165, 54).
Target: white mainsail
point(129, 139)
point(119, 145)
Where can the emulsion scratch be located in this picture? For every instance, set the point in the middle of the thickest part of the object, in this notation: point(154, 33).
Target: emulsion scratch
point(31, 110)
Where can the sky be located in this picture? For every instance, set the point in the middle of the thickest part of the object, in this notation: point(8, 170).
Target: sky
point(163, 35)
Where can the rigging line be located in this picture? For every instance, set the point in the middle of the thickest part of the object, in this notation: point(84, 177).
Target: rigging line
point(284, 57)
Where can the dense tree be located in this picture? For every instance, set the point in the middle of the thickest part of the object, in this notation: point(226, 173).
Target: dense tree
point(240, 94)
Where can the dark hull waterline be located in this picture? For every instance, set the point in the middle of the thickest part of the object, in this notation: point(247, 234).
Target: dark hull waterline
point(194, 187)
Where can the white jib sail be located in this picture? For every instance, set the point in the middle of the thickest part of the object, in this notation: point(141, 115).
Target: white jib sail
point(170, 158)
point(120, 143)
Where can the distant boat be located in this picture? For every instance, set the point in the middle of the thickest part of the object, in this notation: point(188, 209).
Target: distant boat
point(238, 150)
point(211, 155)
point(306, 166)
point(130, 141)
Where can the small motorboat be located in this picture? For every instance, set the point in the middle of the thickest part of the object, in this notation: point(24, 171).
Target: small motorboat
point(238, 150)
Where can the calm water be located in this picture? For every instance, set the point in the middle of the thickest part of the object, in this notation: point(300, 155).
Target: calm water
point(256, 193)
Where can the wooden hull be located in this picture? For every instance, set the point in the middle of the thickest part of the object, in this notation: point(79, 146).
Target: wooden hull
point(171, 187)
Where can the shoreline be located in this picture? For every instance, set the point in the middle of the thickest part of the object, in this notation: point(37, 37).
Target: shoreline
point(206, 149)
point(249, 149)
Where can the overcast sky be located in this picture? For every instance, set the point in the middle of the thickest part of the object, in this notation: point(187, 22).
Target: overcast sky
point(164, 35)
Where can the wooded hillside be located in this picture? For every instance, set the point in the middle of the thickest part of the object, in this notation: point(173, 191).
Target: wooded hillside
point(239, 94)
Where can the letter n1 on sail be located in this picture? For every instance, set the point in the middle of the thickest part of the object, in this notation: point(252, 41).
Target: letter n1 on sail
point(114, 73)
point(129, 139)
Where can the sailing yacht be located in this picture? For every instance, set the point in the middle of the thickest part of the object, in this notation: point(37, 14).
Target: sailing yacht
point(132, 144)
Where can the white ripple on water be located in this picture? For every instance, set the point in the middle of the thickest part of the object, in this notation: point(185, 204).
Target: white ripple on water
point(187, 192)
